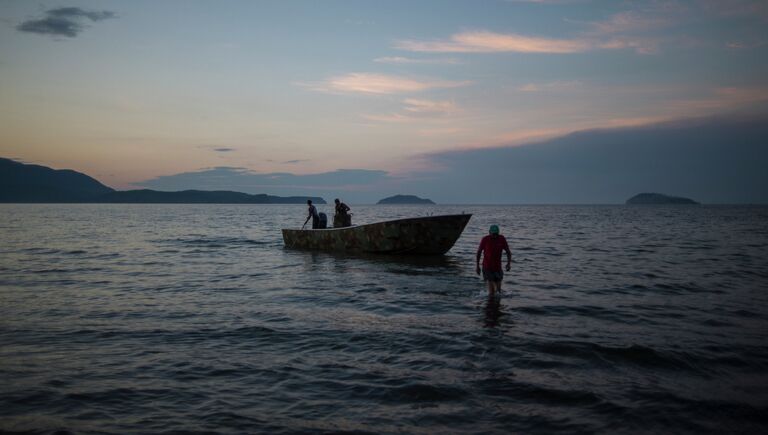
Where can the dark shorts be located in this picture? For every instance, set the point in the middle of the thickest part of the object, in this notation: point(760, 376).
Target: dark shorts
point(492, 275)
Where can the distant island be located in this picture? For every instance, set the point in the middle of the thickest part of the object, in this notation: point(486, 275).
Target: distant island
point(405, 199)
point(23, 183)
point(658, 198)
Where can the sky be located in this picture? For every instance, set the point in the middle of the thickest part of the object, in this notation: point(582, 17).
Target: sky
point(495, 101)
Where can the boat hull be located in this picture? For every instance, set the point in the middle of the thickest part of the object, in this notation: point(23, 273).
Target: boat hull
point(430, 235)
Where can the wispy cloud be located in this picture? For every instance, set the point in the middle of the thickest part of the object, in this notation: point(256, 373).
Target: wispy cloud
point(390, 117)
point(410, 60)
point(418, 110)
point(429, 106)
point(381, 84)
point(435, 132)
point(245, 180)
point(640, 45)
point(731, 8)
point(722, 99)
point(635, 29)
point(550, 86)
point(490, 42)
point(630, 21)
point(545, 1)
point(745, 45)
point(67, 21)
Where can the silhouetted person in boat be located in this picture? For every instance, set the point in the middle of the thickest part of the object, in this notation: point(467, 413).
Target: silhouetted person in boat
point(312, 215)
point(491, 248)
point(342, 218)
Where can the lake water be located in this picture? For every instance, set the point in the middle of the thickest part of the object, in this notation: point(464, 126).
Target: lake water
point(194, 318)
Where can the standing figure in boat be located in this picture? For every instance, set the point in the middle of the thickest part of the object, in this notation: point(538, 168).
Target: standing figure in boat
point(312, 215)
point(342, 218)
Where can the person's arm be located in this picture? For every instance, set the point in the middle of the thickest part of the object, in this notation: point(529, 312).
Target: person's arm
point(509, 255)
point(477, 257)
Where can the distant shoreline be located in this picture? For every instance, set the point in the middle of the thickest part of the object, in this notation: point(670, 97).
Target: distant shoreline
point(634, 206)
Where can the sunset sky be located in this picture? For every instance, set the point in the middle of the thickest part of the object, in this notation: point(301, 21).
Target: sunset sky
point(361, 99)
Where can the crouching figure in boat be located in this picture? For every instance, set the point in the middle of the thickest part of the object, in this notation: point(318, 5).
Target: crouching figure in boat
point(342, 218)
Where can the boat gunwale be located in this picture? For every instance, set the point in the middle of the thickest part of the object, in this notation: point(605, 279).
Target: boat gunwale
point(378, 223)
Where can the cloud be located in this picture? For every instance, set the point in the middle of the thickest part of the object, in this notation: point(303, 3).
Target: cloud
point(736, 8)
point(546, 1)
point(640, 45)
point(435, 132)
point(418, 110)
point(410, 60)
point(629, 21)
point(429, 106)
point(722, 99)
point(490, 42)
point(718, 159)
point(67, 21)
point(550, 86)
point(381, 84)
point(244, 180)
point(392, 117)
point(75, 13)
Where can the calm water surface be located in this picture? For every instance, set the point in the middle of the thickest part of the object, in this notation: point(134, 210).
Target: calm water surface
point(194, 318)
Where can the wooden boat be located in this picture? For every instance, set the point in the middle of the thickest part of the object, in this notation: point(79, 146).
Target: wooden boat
point(430, 235)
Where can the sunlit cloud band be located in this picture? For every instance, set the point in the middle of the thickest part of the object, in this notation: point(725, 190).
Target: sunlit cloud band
point(490, 42)
point(371, 83)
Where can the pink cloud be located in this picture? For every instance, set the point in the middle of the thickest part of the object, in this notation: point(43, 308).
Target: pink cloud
point(640, 45)
point(429, 106)
point(436, 132)
point(410, 60)
point(392, 117)
point(490, 42)
point(371, 83)
point(722, 99)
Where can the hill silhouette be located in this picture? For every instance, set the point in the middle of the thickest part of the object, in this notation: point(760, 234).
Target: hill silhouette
point(25, 183)
point(21, 182)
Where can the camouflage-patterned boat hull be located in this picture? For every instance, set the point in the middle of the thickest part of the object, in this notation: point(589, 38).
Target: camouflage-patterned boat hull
point(431, 235)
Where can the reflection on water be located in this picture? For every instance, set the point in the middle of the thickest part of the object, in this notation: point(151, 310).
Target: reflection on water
point(493, 310)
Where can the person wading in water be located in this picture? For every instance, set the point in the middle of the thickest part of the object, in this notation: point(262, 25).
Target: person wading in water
point(491, 247)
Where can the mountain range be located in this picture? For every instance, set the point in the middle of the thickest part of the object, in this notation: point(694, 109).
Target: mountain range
point(25, 183)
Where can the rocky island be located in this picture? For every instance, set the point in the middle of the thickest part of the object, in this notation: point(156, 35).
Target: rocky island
point(658, 198)
point(405, 199)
